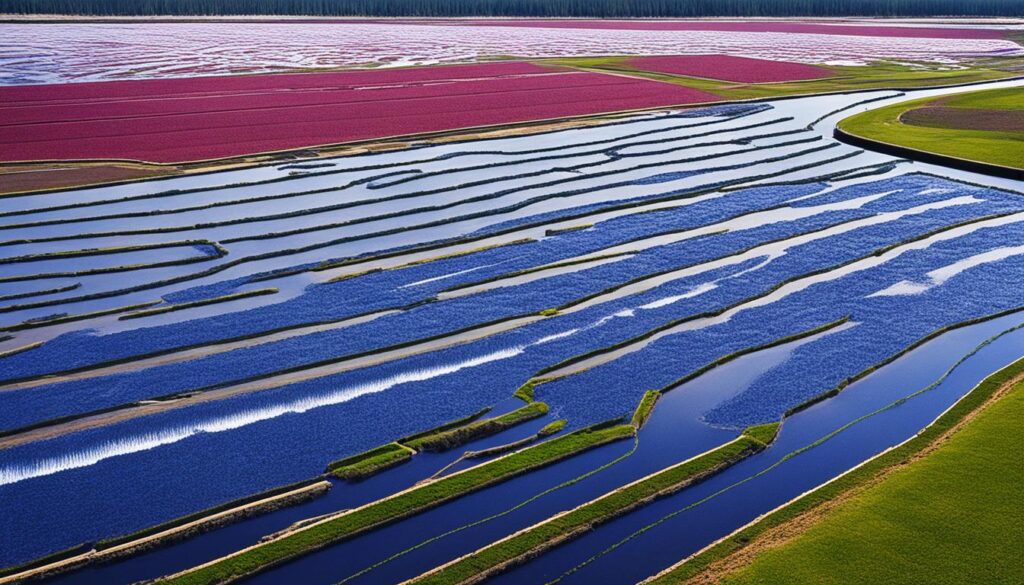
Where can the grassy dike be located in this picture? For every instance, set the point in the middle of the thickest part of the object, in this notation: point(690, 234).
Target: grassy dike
point(401, 505)
point(460, 435)
point(441, 438)
point(646, 408)
point(370, 462)
point(702, 566)
point(535, 540)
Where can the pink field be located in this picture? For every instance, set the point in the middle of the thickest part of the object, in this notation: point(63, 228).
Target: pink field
point(728, 68)
point(177, 120)
point(750, 26)
point(95, 51)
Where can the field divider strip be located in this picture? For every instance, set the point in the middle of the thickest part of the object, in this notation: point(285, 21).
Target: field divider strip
point(173, 192)
point(532, 541)
point(199, 303)
point(157, 536)
point(403, 504)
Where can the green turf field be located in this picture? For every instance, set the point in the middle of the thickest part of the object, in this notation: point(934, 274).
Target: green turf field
point(954, 517)
point(1001, 148)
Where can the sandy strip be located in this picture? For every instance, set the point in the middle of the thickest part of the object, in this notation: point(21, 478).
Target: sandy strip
point(171, 534)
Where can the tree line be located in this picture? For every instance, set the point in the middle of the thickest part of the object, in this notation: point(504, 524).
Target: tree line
point(536, 8)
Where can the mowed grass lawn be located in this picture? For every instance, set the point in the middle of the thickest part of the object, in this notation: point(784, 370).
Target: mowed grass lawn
point(954, 517)
point(1001, 148)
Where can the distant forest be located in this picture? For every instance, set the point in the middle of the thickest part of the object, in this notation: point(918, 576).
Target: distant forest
point(549, 8)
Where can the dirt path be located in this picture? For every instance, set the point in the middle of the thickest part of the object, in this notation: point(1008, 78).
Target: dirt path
point(171, 534)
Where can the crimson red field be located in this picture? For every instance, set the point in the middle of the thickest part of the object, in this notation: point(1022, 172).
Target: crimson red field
point(177, 120)
point(729, 68)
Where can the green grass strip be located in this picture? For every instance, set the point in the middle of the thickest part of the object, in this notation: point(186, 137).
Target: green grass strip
point(460, 435)
point(989, 146)
point(527, 543)
point(552, 428)
point(446, 426)
point(645, 408)
point(200, 303)
point(525, 392)
point(370, 462)
point(397, 507)
point(967, 486)
point(528, 501)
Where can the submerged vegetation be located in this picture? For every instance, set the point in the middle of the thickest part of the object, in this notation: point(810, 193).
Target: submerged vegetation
point(200, 303)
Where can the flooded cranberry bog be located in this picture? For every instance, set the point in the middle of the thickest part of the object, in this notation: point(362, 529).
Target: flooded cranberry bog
point(580, 354)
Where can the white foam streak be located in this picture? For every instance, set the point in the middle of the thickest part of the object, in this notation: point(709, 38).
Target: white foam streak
point(144, 442)
point(939, 276)
point(693, 292)
point(555, 337)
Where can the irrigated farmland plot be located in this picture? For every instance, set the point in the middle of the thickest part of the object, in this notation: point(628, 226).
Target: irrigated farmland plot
point(177, 120)
point(577, 351)
point(183, 348)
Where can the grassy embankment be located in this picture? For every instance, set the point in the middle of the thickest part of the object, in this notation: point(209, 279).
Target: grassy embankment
point(1004, 148)
point(460, 435)
point(402, 505)
point(646, 407)
point(442, 438)
point(370, 462)
point(561, 528)
point(547, 430)
point(847, 78)
point(943, 507)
